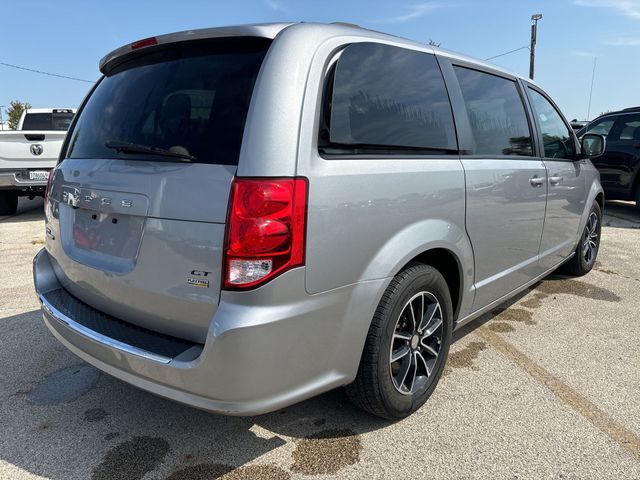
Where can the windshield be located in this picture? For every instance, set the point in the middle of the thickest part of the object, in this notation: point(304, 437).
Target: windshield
point(188, 98)
point(47, 121)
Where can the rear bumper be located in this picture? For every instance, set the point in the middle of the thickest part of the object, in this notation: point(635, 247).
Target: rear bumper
point(19, 180)
point(265, 349)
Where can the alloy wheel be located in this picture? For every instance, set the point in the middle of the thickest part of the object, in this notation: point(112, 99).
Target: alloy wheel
point(416, 343)
point(590, 238)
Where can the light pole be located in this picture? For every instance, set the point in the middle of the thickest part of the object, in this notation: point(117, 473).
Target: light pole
point(1, 122)
point(534, 31)
point(593, 76)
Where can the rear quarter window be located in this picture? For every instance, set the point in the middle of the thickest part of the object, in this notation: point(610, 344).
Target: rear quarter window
point(388, 98)
point(187, 97)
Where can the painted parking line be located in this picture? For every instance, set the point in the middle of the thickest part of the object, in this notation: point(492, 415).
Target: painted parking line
point(625, 438)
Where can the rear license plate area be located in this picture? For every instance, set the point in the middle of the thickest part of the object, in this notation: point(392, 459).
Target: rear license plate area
point(102, 229)
point(39, 175)
point(109, 234)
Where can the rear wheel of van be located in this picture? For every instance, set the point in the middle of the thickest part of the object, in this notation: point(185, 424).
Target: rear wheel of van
point(587, 250)
point(8, 203)
point(407, 344)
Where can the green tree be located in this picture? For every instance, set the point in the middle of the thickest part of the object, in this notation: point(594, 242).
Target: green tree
point(14, 111)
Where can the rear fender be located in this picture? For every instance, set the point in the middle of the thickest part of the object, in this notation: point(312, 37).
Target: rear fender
point(419, 238)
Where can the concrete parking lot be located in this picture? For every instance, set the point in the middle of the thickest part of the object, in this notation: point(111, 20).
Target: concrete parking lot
point(546, 387)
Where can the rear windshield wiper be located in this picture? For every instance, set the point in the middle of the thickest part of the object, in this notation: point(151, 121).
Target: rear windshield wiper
point(137, 148)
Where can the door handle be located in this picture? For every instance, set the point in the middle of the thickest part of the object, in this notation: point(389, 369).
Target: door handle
point(536, 181)
point(555, 180)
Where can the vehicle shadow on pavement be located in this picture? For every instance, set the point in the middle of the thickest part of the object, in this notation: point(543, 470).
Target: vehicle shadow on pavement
point(28, 211)
point(517, 310)
point(621, 215)
point(63, 419)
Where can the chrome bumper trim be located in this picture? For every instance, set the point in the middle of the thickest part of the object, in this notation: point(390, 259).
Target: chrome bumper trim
point(98, 337)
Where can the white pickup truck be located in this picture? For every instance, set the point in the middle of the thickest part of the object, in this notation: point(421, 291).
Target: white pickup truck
point(28, 154)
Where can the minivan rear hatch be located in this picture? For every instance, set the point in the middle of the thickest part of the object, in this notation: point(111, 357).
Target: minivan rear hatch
point(138, 205)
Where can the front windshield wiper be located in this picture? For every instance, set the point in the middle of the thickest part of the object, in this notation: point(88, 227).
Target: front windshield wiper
point(137, 148)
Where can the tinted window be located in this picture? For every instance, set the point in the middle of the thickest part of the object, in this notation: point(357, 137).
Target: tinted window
point(556, 136)
point(47, 121)
point(389, 96)
point(496, 112)
point(630, 130)
point(626, 128)
point(602, 127)
point(188, 98)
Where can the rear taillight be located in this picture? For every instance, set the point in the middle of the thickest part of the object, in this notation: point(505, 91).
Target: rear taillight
point(265, 230)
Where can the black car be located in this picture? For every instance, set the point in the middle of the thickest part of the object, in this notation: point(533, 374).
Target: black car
point(620, 163)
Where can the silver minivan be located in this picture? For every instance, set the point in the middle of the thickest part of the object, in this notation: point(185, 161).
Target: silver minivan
point(245, 217)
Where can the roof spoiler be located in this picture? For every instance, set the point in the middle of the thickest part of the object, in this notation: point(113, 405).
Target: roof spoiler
point(119, 55)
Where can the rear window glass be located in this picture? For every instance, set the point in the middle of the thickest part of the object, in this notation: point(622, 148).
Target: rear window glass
point(496, 112)
point(192, 99)
point(47, 121)
point(387, 96)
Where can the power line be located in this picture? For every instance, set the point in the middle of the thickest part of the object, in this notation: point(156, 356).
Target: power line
point(46, 73)
point(507, 53)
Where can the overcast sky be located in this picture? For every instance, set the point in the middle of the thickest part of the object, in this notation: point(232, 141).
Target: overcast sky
point(70, 36)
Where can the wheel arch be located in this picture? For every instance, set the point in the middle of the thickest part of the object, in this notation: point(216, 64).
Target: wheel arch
point(596, 194)
point(635, 189)
point(448, 264)
point(600, 200)
point(441, 243)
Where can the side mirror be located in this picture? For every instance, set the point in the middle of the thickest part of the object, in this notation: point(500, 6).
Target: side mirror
point(592, 145)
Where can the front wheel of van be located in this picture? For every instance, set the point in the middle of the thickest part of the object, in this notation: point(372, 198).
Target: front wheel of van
point(587, 250)
point(407, 344)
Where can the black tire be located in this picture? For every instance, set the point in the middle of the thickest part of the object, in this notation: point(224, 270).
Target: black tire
point(583, 261)
point(376, 388)
point(8, 203)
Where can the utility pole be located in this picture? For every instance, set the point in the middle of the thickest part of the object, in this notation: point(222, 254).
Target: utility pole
point(534, 31)
point(1, 122)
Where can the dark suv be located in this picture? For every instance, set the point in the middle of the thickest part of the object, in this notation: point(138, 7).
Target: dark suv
point(620, 163)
